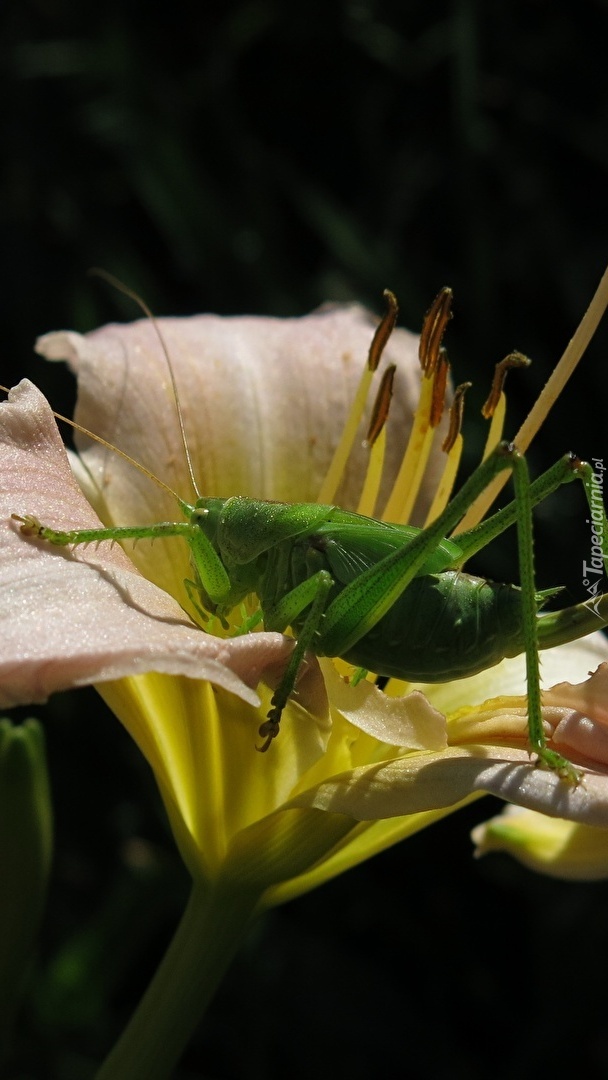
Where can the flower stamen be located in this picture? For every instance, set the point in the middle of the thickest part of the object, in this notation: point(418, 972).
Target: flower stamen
point(428, 414)
point(375, 440)
point(342, 452)
point(452, 445)
point(513, 360)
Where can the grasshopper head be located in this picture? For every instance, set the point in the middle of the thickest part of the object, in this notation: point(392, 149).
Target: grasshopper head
point(206, 514)
point(244, 578)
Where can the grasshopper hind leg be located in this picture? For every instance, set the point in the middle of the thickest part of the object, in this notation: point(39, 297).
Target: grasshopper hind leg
point(551, 759)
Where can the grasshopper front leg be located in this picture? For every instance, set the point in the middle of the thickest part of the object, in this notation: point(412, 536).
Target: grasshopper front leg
point(313, 592)
point(208, 563)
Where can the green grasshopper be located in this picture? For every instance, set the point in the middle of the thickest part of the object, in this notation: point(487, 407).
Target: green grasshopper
point(392, 599)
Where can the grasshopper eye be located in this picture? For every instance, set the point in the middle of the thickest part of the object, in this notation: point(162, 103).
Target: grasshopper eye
point(199, 515)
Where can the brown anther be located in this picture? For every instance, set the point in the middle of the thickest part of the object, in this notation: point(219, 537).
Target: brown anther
point(433, 329)
point(513, 360)
point(267, 731)
point(381, 406)
point(456, 412)
point(383, 330)
point(439, 385)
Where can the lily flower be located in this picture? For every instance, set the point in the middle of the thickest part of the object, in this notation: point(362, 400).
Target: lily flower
point(354, 770)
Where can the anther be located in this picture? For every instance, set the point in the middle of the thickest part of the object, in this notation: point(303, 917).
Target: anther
point(456, 415)
point(383, 330)
point(513, 360)
point(433, 329)
point(439, 387)
point(381, 406)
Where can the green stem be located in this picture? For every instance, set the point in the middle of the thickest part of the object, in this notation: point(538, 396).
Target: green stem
point(212, 928)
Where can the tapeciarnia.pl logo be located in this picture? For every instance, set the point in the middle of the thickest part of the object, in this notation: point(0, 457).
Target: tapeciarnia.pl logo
point(594, 570)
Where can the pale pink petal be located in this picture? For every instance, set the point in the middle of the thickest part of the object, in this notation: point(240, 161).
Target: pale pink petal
point(581, 740)
point(543, 790)
point(582, 733)
point(589, 697)
point(71, 617)
point(264, 401)
point(422, 782)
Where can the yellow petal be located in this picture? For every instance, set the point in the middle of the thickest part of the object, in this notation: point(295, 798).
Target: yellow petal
point(409, 721)
point(201, 743)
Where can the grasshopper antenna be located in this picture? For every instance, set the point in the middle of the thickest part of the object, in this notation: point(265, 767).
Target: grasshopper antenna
point(115, 450)
point(116, 283)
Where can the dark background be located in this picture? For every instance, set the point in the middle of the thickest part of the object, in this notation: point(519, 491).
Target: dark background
point(263, 158)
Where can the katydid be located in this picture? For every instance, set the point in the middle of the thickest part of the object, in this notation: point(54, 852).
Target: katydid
point(392, 599)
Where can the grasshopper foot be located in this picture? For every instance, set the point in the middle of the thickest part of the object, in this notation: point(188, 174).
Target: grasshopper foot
point(30, 526)
point(270, 728)
point(550, 759)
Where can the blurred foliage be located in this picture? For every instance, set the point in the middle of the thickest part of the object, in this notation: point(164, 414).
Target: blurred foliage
point(262, 157)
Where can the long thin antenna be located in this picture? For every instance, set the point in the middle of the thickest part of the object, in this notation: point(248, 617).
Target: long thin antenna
point(115, 450)
point(116, 283)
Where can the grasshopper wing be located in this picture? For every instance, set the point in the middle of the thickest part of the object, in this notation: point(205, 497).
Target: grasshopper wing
point(351, 548)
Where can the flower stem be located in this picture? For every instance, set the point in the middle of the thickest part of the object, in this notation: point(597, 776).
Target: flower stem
point(212, 927)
